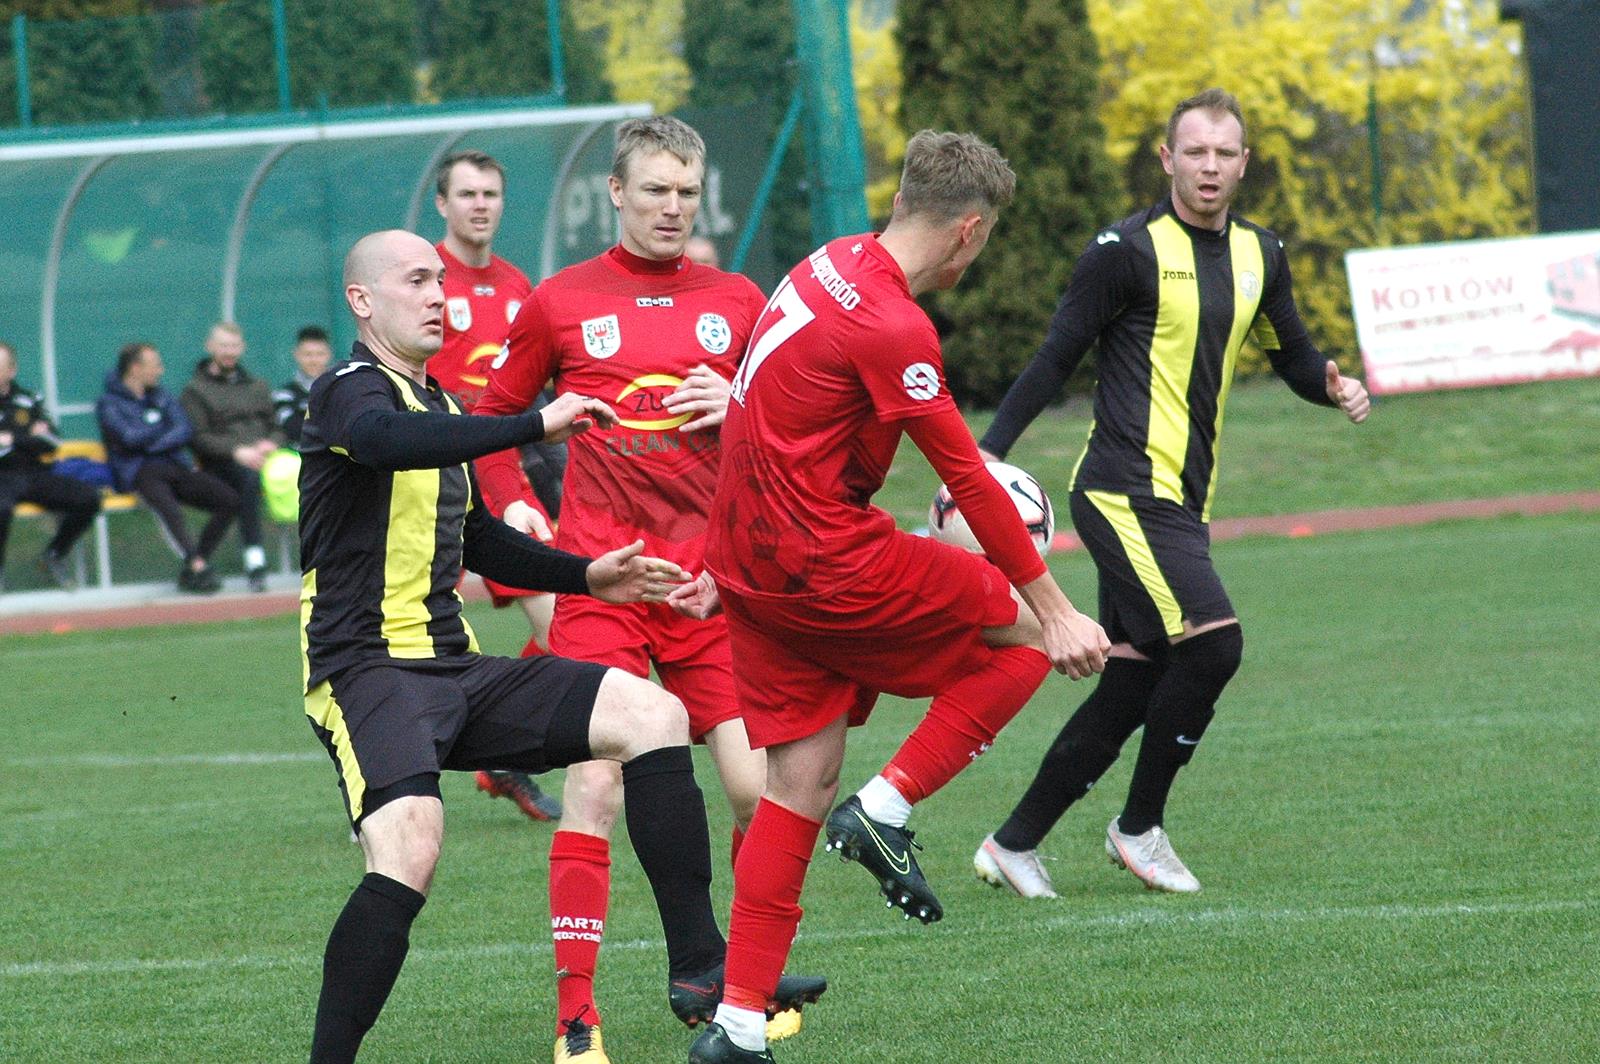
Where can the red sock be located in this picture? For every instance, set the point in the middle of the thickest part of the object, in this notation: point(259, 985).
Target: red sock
point(766, 902)
point(738, 841)
point(580, 884)
point(532, 649)
point(963, 721)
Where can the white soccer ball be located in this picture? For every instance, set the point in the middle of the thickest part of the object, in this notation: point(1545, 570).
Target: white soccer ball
point(946, 524)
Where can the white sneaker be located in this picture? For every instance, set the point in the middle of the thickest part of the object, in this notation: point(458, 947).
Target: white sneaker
point(1150, 857)
point(1017, 870)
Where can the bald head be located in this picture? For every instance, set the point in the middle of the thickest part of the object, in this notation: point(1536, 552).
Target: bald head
point(376, 252)
point(394, 284)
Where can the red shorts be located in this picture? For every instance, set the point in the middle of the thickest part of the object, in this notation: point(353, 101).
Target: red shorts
point(692, 658)
point(503, 595)
point(910, 626)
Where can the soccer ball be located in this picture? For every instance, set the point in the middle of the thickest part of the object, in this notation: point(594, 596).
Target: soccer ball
point(946, 524)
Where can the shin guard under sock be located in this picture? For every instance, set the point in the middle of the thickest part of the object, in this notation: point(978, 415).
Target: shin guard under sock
point(766, 901)
point(666, 816)
point(1181, 706)
point(365, 950)
point(580, 887)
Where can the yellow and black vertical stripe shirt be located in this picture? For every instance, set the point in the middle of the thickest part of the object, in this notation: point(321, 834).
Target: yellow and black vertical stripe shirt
point(1170, 306)
point(389, 511)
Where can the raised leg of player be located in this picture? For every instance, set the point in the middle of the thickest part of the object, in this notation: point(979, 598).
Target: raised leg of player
point(963, 722)
point(369, 941)
point(802, 781)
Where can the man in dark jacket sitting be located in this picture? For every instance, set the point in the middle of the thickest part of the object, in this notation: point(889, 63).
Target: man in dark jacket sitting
point(234, 432)
point(145, 432)
point(27, 437)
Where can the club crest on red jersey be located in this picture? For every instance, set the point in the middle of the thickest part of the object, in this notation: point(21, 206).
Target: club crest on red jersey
point(460, 313)
point(602, 337)
point(714, 333)
point(512, 306)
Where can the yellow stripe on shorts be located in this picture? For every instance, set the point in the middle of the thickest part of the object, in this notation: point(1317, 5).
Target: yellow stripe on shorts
point(1119, 512)
point(324, 710)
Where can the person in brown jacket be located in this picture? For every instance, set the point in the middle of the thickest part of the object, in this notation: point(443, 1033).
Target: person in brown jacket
point(234, 432)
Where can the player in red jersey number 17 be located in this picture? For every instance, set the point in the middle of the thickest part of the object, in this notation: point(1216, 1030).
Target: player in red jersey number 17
point(828, 603)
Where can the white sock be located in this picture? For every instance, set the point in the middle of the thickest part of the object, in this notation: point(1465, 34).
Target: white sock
point(883, 803)
point(746, 1028)
point(255, 558)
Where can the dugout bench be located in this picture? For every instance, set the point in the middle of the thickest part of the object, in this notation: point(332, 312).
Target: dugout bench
point(116, 502)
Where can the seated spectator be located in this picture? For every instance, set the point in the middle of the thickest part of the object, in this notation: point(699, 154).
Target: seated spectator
point(234, 432)
point(27, 437)
point(312, 353)
point(145, 432)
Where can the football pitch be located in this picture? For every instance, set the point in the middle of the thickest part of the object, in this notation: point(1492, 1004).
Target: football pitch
point(1393, 817)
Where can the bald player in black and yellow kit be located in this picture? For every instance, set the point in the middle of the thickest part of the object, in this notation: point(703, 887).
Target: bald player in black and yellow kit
point(395, 686)
point(1170, 294)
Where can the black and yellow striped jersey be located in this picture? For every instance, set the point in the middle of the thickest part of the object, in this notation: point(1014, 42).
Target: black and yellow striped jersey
point(1170, 305)
point(389, 512)
point(380, 551)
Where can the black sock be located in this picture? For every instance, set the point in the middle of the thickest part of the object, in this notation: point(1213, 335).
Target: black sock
point(666, 817)
point(1180, 709)
point(365, 951)
point(1086, 747)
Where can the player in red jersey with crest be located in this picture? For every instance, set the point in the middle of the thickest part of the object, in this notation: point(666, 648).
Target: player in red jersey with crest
point(658, 337)
point(828, 603)
point(483, 293)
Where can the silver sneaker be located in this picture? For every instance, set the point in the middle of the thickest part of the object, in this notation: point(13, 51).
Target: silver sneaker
point(1019, 871)
point(1150, 858)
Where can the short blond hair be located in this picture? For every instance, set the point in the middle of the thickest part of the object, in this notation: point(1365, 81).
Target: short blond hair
point(1214, 102)
point(949, 174)
point(646, 136)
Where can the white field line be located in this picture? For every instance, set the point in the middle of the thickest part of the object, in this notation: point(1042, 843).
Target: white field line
point(1163, 917)
point(137, 640)
point(159, 760)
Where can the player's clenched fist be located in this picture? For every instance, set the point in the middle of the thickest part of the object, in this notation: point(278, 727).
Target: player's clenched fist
point(571, 414)
point(1076, 645)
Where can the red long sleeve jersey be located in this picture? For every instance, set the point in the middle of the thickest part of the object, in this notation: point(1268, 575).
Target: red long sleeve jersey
point(479, 306)
point(625, 330)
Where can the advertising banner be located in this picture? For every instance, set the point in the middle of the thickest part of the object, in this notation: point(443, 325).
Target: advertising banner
point(1477, 312)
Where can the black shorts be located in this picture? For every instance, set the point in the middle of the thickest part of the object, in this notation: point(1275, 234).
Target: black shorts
point(1154, 562)
point(391, 726)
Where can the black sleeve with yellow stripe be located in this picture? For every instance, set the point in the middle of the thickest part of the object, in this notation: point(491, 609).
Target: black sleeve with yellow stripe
point(1283, 336)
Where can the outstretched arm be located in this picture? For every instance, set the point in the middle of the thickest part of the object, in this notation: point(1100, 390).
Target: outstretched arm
point(1094, 296)
point(415, 439)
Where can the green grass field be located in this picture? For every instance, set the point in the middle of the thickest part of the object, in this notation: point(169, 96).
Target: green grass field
point(1393, 818)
